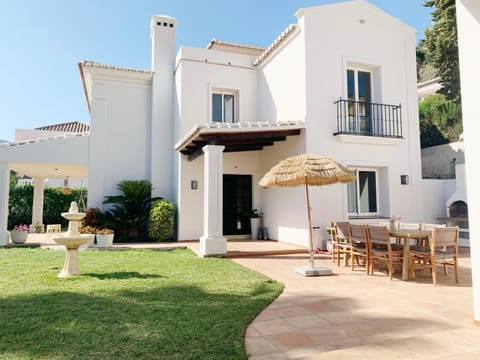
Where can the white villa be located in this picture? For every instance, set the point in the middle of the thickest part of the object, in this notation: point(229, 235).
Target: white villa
point(205, 124)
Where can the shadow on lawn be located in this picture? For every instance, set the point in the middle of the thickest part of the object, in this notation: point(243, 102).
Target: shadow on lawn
point(162, 322)
point(123, 275)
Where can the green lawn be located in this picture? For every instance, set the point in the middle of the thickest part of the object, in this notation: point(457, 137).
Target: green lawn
point(135, 304)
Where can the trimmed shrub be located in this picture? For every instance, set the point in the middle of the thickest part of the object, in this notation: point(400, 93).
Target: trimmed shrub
point(161, 220)
point(54, 203)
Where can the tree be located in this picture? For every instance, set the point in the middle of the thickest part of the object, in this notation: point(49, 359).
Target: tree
point(441, 46)
point(439, 120)
point(130, 211)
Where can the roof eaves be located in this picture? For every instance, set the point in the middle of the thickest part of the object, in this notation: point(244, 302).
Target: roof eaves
point(212, 43)
point(274, 45)
point(97, 65)
point(243, 126)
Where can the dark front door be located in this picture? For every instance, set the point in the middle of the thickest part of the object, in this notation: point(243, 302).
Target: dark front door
point(237, 203)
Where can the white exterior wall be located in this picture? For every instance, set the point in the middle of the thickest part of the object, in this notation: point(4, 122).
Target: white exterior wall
point(201, 70)
point(190, 203)
point(198, 72)
point(389, 53)
point(435, 194)
point(331, 38)
point(468, 20)
point(281, 82)
point(120, 131)
point(281, 97)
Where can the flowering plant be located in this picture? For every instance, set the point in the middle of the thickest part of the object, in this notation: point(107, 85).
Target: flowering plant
point(21, 227)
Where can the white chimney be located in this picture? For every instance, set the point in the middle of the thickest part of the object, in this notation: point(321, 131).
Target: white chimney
point(163, 33)
point(163, 29)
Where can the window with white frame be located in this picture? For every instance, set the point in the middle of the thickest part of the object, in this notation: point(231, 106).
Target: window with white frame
point(223, 106)
point(363, 193)
point(359, 94)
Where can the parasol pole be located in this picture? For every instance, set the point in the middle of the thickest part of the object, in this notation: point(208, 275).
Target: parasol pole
point(310, 239)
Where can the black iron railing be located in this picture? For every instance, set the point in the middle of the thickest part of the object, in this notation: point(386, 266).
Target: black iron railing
point(368, 119)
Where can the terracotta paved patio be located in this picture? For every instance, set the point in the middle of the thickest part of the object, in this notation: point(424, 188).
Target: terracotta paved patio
point(349, 314)
point(355, 316)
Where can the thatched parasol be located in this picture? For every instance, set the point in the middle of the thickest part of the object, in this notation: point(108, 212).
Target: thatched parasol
point(307, 169)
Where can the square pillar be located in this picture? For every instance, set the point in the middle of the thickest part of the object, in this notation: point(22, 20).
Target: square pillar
point(4, 193)
point(37, 206)
point(212, 242)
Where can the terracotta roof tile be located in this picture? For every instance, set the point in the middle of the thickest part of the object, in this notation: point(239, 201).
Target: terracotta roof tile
point(71, 127)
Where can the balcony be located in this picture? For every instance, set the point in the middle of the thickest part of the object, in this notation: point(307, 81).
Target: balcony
point(368, 119)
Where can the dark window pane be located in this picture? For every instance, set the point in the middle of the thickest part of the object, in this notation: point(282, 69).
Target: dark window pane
point(368, 191)
point(351, 84)
point(364, 87)
point(217, 107)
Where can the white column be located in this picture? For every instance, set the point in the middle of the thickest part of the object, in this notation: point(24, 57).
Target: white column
point(212, 243)
point(4, 188)
point(468, 20)
point(37, 207)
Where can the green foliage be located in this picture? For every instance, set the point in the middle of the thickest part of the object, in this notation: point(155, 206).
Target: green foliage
point(441, 46)
point(136, 304)
point(440, 120)
point(20, 205)
point(13, 179)
point(54, 203)
point(161, 220)
point(130, 211)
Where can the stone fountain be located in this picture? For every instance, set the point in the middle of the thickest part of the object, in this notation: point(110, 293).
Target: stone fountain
point(72, 240)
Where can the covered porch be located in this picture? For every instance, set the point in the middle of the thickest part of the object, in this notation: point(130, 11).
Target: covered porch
point(217, 142)
point(56, 157)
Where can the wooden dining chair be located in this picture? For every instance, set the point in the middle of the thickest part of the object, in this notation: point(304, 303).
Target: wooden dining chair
point(429, 227)
point(359, 245)
point(340, 239)
point(443, 250)
point(412, 226)
point(381, 249)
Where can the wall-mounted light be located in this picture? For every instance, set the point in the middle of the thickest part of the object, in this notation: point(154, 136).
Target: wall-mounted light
point(404, 179)
point(194, 185)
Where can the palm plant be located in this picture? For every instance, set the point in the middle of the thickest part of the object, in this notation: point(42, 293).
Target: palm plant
point(130, 211)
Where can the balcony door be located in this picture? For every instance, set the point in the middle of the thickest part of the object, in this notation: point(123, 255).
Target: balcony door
point(359, 85)
point(362, 193)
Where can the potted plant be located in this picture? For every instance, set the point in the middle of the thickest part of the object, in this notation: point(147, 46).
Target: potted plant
point(87, 230)
point(19, 233)
point(104, 237)
point(255, 223)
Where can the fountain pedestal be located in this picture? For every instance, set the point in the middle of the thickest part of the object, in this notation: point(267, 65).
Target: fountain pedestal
point(71, 268)
point(72, 241)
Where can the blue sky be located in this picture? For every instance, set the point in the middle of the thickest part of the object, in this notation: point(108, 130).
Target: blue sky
point(41, 43)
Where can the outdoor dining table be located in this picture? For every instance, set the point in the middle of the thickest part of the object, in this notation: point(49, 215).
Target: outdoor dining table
point(405, 235)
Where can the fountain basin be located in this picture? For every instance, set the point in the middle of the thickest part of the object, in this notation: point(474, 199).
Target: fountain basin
point(73, 216)
point(72, 243)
